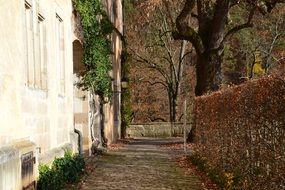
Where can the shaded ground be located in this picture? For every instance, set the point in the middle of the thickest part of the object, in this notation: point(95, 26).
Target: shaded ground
point(141, 164)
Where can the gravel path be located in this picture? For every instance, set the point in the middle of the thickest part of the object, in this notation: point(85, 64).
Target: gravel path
point(142, 164)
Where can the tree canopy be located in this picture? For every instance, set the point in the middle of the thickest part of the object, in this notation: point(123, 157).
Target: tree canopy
point(213, 28)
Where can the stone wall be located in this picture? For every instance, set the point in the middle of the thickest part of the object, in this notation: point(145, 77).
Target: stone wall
point(10, 175)
point(156, 130)
point(36, 79)
point(36, 92)
point(41, 114)
point(81, 115)
point(113, 110)
point(10, 165)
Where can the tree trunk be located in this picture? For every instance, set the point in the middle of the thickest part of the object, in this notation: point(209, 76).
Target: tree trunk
point(174, 110)
point(208, 71)
point(174, 107)
point(172, 98)
point(170, 105)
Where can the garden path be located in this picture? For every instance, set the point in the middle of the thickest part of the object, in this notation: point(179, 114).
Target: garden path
point(141, 164)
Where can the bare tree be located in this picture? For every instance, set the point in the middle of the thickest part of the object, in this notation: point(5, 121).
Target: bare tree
point(165, 56)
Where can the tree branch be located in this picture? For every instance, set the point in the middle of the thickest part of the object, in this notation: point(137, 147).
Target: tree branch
point(157, 83)
point(168, 12)
point(151, 65)
point(170, 60)
point(185, 32)
point(117, 31)
point(122, 37)
point(219, 21)
point(188, 53)
point(248, 24)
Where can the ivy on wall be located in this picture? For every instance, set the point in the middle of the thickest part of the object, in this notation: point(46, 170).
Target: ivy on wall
point(97, 47)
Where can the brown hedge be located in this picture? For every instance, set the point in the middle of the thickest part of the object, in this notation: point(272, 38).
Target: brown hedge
point(241, 130)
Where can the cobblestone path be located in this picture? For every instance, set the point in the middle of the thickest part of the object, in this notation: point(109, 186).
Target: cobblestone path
point(139, 165)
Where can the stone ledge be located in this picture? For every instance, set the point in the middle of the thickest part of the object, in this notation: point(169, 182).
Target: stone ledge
point(10, 165)
point(15, 150)
point(25, 146)
point(49, 156)
point(8, 153)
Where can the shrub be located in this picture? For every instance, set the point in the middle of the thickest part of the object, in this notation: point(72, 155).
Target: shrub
point(66, 167)
point(49, 179)
point(80, 163)
point(64, 170)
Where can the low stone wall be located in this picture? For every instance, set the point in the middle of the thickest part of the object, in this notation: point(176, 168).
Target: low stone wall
point(11, 160)
point(10, 177)
point(156, 130)
point(10, 165)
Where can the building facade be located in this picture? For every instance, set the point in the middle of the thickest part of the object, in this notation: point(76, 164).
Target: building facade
point(86, 105)
point(36, 88)
point(42, 113)
point(113, 110)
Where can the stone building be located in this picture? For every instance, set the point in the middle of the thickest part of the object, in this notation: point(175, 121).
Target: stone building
point(86, 105)
point(113, 112)
point(42, 113)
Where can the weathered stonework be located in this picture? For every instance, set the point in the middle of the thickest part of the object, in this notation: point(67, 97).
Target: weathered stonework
point(41, 115)
point(9, 167)
point(10, 164)
point(157, 129)
point(40, 55)
point(36, 95)
point(113, 110)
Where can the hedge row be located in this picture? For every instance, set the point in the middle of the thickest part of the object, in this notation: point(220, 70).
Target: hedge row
point(241, 131)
